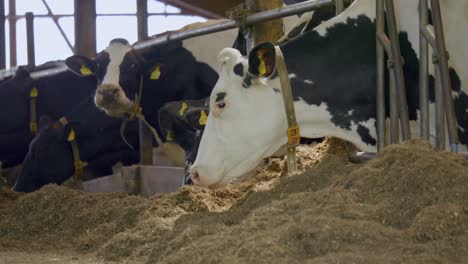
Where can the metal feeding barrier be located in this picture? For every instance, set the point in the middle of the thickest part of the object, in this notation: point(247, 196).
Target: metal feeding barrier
point(385, 44)
point(444, 106)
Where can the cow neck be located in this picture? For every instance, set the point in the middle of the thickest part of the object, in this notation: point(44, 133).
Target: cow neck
point(137, 112)
point(78, 164)
point(293, 129)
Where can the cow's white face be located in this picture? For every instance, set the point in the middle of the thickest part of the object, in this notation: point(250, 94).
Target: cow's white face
point(110, 95)
point(244, 126)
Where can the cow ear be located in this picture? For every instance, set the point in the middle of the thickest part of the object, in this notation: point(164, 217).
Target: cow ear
point(262, 60)
point(197, 117)
point(81, 65)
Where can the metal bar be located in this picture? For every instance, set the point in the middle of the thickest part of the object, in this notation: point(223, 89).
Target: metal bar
point(142, 19)
point(249, 39)
point(58, 16)
point(12, 11)
point(230, 24)
point(145, 134)
point(192, 9)
point(48, 72)
point(85, 28)
point(30, 38)
point(445, 75)
point(380, 26)
point(385, 42)
point(428, 33)
point(2, 35)
point(339, 6)
point(423, 72)
point(398, 68)
point(62, 32)
point(393, 101)
point(439, 108)
point(358, 157)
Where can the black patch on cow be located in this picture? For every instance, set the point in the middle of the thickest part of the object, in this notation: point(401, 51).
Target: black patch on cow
point(247, 82)
point(342, 76)
point(365, 135)
point(102, 61)
point(220, 97)
point(239, 69)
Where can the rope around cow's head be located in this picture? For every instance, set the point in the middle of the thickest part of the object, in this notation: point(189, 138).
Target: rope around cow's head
point(137, 112)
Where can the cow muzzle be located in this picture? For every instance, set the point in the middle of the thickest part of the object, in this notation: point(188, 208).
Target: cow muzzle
point(107, 95)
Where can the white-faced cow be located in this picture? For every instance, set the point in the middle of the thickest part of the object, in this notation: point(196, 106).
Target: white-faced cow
point(333, 75)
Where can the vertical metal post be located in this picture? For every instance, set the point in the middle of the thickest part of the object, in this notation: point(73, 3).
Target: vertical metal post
point(339, 6)
point(423, 73)
point(145, 135)
point(394, 117)
point(443, 70)
point(439, 107)
point(30, 38)
point(12, 19)
point(249, 39)
point(2, 35)
point(85, 28)
point(398, 70)
point(380, 26)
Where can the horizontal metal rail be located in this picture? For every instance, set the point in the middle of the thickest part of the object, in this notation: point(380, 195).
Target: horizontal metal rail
point(229, 24)
point(359, 157)
point(58, 16)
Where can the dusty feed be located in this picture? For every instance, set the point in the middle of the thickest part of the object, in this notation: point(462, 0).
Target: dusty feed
point(409, 205)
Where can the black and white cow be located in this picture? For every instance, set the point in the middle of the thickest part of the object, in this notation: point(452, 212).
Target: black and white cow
point(50, 158)
point(56, 95)
point(333, 75)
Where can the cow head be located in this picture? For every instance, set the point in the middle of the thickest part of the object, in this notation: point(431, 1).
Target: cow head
point(118, 69)
point(246, 122)
point(40, 165)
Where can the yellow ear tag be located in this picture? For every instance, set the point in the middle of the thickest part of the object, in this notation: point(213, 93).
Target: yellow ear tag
point(155, 74)
point(71, 135)
point(170, 136)
point(34, 92)
point(203, 118)
point(85, 70)
point(261, 67)
point(182, 108)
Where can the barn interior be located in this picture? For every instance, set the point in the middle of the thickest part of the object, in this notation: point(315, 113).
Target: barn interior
point(405, 202)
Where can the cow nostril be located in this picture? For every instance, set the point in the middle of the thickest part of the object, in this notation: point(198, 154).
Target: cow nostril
point(195, 176)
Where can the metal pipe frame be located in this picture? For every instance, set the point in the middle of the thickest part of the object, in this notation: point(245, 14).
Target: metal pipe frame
point(398, 70)
point(145, 135)
point(339, 6)
point(359, 157)
point(442, 56)
point(230, 24)
point(30, 39)
point(423, 72)
point(2, 35)
point(380, 55)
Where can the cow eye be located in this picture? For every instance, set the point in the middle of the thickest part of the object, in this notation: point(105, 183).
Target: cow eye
point(220, 105)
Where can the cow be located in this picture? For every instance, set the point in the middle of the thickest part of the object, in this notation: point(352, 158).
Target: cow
point(50, 158)
point(54, 96)
point(332, 70)
point(182, 123)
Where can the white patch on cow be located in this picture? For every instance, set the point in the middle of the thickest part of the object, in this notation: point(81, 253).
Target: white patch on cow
point(455, 94)
point(292, 75)
point(316, 122)
point(116, 53)
point(308, 82)
point(350, 112)
point(357, 8)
